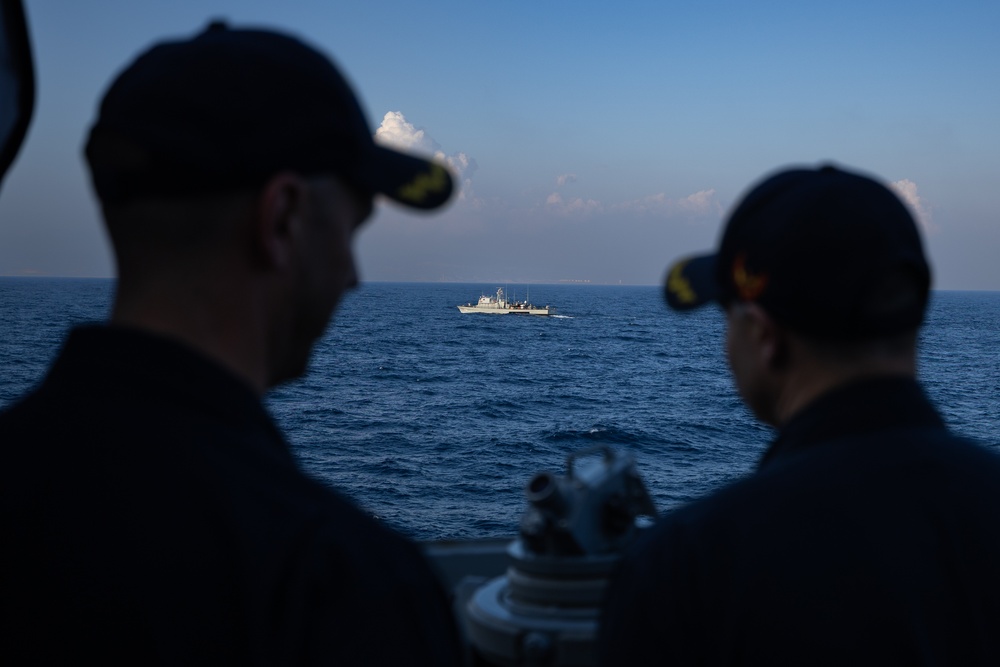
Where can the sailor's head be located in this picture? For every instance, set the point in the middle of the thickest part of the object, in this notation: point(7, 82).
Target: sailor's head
point(242, 158)
point(826, 252)
point(823, 279)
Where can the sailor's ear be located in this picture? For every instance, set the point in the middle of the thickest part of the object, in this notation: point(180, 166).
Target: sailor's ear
point(278, 219)
point(771, 338)
point(768, 340)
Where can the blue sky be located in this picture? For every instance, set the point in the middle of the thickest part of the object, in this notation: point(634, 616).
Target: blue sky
point(594, 140)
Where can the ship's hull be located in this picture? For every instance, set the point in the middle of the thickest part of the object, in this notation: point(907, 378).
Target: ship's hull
point(512, 310)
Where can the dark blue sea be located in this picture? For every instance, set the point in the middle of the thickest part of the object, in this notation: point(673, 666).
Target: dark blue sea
point(433, 421)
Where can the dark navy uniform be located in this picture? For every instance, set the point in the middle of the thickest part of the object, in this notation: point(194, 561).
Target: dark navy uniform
point(869, 535)
point(151, 513)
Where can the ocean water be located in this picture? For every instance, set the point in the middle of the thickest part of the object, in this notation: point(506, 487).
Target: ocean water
point(433, 421)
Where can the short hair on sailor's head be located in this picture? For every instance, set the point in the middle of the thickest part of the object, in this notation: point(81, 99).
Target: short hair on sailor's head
point(839, 352)
point(151, 233)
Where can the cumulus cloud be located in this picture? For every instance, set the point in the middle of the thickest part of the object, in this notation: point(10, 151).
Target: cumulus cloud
point(563, 179)
point(697, 205)
point(701, 203)
point(397, 132)
point(577, 205)
point(907, 190)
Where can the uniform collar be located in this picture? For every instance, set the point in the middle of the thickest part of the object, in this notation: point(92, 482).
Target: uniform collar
point(864, 406)
point(127, 359)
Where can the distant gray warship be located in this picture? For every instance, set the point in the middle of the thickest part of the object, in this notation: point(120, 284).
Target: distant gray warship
point(499, 305)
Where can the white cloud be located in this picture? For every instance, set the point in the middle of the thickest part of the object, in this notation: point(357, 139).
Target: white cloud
point(563, 179)
point(555, 204)
point(584, 205)
point(906, 190)
point(697, 205)
point(397, 132)
point(701, 203)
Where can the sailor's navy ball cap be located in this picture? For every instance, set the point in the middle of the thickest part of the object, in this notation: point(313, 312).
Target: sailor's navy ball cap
point(229, 108)
point(816, 248)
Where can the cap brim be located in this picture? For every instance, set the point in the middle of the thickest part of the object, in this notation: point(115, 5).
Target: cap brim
point(691, 282)
point(410, 180)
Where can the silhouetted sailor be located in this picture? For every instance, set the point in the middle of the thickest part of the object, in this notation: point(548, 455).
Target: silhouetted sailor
point(869, 533)
point(151, 511)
